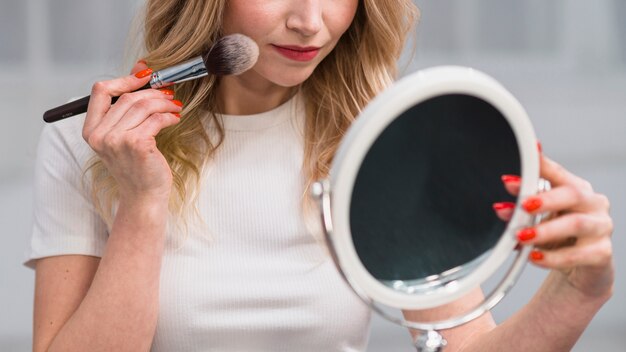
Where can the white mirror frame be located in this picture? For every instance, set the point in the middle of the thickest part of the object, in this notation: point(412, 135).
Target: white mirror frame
point(391, 103)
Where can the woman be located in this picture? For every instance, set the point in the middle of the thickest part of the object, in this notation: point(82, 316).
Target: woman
point(239, 153)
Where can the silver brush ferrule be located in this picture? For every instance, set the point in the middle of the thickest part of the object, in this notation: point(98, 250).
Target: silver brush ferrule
point(188, 70)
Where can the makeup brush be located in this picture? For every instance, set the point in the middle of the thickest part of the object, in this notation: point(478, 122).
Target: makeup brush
point(230, 55)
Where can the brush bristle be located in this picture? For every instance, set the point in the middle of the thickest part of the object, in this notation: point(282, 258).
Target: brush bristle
point(231, 55)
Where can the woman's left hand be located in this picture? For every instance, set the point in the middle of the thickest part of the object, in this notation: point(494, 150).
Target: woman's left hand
point(576, 240)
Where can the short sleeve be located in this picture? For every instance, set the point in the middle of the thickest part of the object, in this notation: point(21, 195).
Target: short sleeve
point(64, 217)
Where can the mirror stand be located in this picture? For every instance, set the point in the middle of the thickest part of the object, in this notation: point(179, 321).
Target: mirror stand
point(430, 340)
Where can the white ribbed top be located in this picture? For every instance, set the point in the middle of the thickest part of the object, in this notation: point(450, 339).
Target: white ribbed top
point(253, 279)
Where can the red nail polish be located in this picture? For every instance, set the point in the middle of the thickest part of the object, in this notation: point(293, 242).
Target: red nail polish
point(510, 178)
point(536, 255)
point(539, 147)
point(531, 204)
point(526, 234)
point(166, 91)
point(176, 114)
point(503, 205)
point(143, 73)
point(178, 102)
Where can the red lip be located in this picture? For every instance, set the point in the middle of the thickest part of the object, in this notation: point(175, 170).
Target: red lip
point(297, 53)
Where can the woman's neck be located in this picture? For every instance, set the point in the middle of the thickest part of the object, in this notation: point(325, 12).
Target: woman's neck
point(249, 94)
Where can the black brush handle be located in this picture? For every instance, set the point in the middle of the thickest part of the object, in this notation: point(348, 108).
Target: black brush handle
point(75, 107)
point(67, 110)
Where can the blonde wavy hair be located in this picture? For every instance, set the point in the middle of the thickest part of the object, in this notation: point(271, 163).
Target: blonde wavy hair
point(362, 64)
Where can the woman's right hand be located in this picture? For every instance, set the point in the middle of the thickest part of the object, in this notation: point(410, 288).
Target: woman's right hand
point(123, 134)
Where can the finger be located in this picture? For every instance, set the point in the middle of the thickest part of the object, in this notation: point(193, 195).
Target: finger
point(102, 92)
point(142, 109)
point(565, 198)
point(152, 125)
point(591, 253)
point(511, 184)
point(140, 65)
point(558, 175)
point(504, 210)
point(126, 102)
point(561, 228)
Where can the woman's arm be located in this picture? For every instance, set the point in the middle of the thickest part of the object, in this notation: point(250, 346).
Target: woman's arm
point(112, 305)
point(86, 304)
point(552, 321)
point(61, 283)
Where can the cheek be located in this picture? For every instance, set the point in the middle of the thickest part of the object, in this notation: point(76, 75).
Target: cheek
point(250, 17)
point(341, 17)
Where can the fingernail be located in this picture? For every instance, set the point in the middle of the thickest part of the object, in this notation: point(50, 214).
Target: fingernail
point(503, 206)
point(142, 61)
point(504, 214)
point(539, 147)
point(536, 255)
point(531, 204)
point(504, 210)
point(510, 178)
point(176, 114)
point(526, 234)
point(178, 102)
point(166, 91)
point(143, 73)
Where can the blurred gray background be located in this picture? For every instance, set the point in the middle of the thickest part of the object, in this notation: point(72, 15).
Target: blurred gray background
point(564, 60)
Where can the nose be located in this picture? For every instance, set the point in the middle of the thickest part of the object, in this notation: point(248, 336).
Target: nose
point(305, 17)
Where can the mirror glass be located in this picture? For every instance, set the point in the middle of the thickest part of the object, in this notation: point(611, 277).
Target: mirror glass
point(421, 210)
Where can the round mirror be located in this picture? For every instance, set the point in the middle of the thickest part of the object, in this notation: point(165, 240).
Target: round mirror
point(409, 204)
point(437, 169)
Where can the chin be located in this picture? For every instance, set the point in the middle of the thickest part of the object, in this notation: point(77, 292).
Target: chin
point(291, 81)
point(289, 78)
